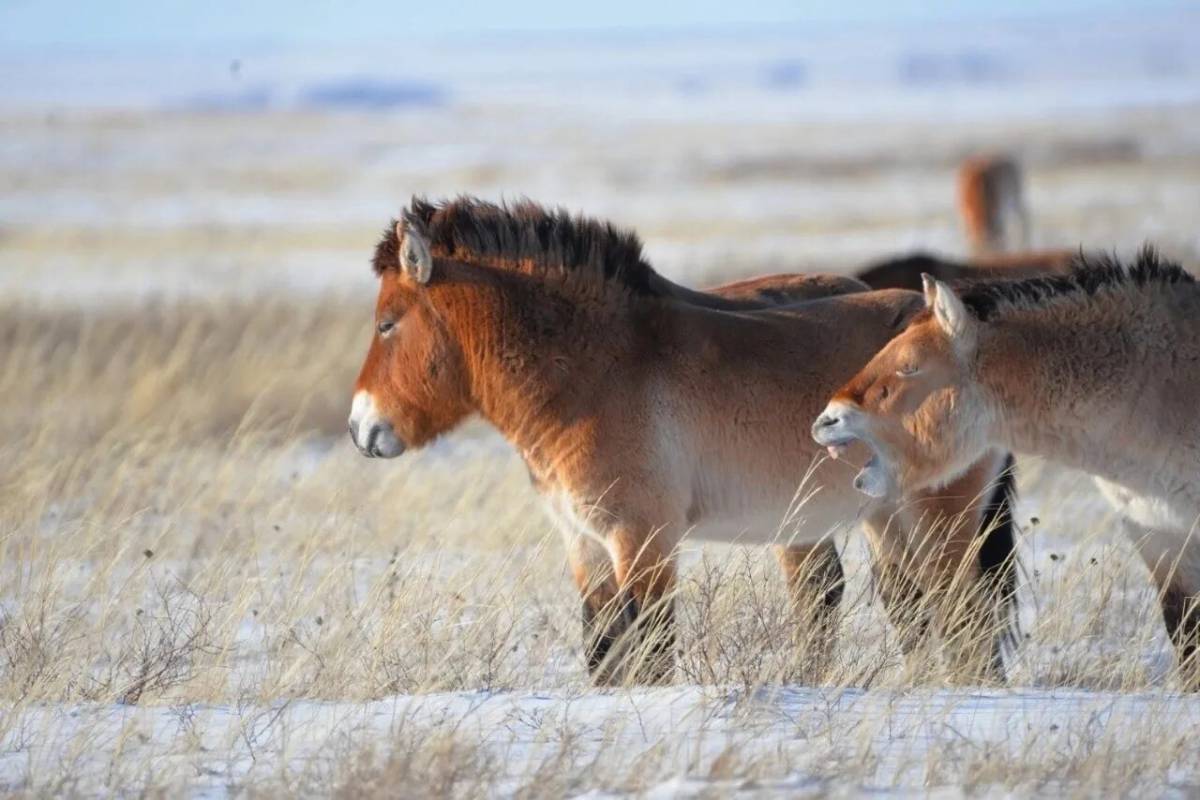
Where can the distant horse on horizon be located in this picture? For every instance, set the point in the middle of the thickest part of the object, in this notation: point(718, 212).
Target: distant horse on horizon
point(995, 221)
point(646, 412)
point(991, 205)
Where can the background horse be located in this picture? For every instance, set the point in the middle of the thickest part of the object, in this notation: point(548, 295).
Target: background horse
point(645, 412)
point(905, 272)
point(991, 204)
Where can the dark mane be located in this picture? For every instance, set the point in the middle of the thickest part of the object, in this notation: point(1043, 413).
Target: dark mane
point(1089, 274)
point(525, 236)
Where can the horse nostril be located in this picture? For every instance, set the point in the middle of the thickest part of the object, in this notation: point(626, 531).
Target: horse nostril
point(826, 421)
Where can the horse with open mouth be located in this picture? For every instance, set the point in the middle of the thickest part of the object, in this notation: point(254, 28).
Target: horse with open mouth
point(646, 411)
point(1098, 369)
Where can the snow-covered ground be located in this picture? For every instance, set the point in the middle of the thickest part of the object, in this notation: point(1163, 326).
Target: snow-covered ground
point(671, 742)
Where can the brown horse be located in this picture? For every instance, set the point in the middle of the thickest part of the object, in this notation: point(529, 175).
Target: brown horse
point(646, 411)
point(991, 204)
point(1099, 370)
point(905, 272)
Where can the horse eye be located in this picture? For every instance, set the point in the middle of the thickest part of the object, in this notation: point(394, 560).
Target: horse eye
point(907, 370)
point(385, 328)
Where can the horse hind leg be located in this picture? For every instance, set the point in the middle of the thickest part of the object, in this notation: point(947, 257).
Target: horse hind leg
point(1181, 615)
point(1174, 562)
point(816, 584)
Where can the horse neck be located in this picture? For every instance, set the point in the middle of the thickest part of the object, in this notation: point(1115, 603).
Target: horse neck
point(537, 359)
point(1071, 381)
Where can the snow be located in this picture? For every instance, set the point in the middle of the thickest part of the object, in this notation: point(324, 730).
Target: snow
point(215, 750)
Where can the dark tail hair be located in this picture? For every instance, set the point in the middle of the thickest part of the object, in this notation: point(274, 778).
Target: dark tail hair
point(998, 551)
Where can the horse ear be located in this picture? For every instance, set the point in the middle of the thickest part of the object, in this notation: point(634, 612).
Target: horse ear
point(415, 260)
point(949, 311)
point(929, 287)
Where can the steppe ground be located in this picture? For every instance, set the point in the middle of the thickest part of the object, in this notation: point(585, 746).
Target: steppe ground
point(204, 589)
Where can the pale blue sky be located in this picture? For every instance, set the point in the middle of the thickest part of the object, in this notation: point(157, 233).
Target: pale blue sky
point(108, 23)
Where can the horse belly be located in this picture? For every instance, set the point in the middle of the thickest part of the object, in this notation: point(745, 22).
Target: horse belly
point(1173, 512)
point(790, 515)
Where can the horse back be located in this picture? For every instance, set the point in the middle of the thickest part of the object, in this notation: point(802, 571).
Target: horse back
point(810, 347)
point(905, 272)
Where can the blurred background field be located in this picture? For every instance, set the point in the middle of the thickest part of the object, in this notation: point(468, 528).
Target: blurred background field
point(205, 588)
point(235, 169)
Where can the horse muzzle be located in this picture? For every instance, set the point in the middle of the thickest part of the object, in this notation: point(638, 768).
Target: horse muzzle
point(833, 430)
point(841, 425)
point(372, 434)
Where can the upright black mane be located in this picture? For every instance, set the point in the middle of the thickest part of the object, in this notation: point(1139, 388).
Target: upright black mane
point(1089, 274)
point(523, 235)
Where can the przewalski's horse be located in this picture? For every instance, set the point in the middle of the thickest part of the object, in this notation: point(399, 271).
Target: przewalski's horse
point(646, 411)
point(991, 204)
point(1099, 370)
point(905, 272)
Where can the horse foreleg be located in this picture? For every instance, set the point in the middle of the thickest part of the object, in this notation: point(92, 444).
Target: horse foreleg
point(645, 572)
point(816, 584)
point(935, 581)
point(967, 546)
point(905, 603)
point(607, 612)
